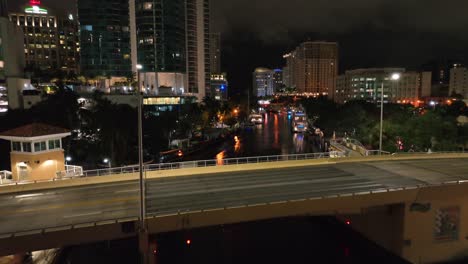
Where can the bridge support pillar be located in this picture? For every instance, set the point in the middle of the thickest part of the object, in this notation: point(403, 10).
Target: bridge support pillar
point(143, 245)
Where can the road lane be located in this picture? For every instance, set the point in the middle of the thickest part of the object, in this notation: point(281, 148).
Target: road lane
point(84, 204)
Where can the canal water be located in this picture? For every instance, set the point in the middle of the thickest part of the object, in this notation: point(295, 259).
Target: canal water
point(288, 240)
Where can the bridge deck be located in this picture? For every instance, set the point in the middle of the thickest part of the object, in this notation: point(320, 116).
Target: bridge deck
point(78, 205)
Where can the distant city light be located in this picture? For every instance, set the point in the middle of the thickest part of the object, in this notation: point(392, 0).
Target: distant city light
point(68, 158)
point(396, 76)
point(139, 67)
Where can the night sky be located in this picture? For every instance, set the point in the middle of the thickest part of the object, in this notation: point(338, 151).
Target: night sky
point(371, 33)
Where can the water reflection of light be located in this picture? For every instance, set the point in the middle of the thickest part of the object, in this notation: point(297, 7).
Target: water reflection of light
point(276, 131)
point(237, 145)
point(298, 142)
point(220, 157)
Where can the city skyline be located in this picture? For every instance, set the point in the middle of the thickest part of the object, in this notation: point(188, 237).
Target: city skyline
point(370, 33)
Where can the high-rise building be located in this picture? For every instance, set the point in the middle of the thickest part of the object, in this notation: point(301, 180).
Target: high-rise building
point(263, 83)
point(290, 70)
point(69, 44)
point(3, 8)
point(172, 40)
point(313, 67)
point(277, 80)
point(459, 81)
point(161, 43)
point(104, 38)
point(198, 46)
point(215, 53)
point(366, 84)
point(12, 62)
point(219, 87)
point(50, 41)
point(286, 77)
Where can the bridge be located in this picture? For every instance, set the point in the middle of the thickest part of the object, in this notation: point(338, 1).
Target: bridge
point(391, 199)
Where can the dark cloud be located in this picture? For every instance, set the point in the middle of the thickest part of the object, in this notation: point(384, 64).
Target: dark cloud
point(275, 17)
point(371, 33)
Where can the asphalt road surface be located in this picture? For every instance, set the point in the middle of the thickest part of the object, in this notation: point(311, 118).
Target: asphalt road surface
point(60, 207)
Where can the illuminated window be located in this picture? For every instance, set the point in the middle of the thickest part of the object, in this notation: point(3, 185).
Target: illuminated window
point(87, 27)
point(147, 6)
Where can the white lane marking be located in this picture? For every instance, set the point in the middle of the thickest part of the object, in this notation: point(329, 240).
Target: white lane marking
point(29, 195)
point(86, 214)
point(127, 191)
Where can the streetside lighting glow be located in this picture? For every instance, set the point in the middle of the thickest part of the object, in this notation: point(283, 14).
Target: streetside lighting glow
point(68, 158)
point(106, 160)
point(139, 66)
point(396, 76)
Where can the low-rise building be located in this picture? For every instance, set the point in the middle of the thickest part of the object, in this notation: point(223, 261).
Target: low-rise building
point(36, 152)
point(366, 84)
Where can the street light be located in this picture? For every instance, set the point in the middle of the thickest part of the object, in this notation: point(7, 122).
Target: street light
point(67, 159)
point(142, 229)
point(394, 77)
point(107, 161)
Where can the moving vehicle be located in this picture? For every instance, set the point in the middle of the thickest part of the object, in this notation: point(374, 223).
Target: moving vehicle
point(171, 155)
point(256, 118)
point(299, 122)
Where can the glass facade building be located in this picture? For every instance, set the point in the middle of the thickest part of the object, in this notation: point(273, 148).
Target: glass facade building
point(104, 37)
point(160, 26)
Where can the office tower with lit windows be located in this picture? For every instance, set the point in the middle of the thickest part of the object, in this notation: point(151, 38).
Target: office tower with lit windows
point(105, 38)
point(173, 45)
point(219, 87)
point(277, 75)
point(313, 67)
point(263, 82)
point(50, 41)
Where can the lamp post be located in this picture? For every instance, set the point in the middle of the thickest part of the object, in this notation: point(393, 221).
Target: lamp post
point(142, 231)
point(140, 149)
point(394, 77)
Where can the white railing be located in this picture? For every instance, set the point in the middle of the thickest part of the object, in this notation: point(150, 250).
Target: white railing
point(376, 152)
point(70, 172)
point(6, 176)
point(77, 171)
point(213, 162)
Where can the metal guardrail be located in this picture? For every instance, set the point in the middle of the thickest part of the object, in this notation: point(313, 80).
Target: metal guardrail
point(376, 153)
point(212, 162)
point(70, 171)
point(132, 218)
